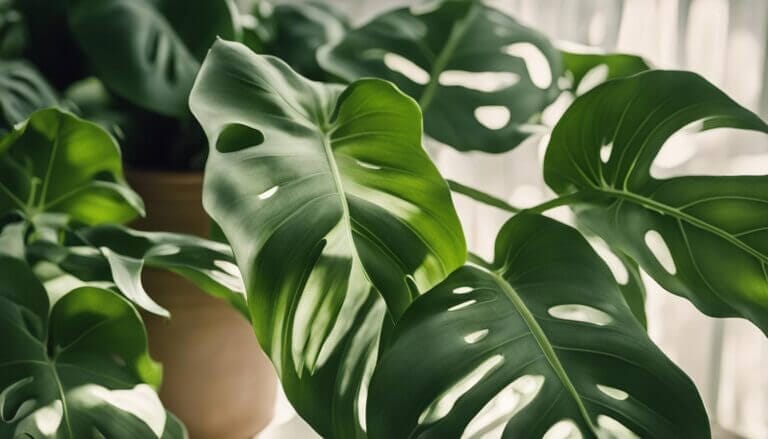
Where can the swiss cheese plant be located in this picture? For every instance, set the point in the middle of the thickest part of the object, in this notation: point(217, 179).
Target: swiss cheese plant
point(358, 281)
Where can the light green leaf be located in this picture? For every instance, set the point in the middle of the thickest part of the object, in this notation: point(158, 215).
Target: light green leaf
point(147, 51)
point(208, 264)
point(23, 90)
point(57, 162)
point(80, 370)
point(701, 237)
point(327, 197)
point(12, 239)
point(502, 73)
point(110, 253)
point(585, 70)
point(541, 343)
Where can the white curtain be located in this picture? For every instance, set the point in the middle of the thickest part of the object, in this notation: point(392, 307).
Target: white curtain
point(723, 40)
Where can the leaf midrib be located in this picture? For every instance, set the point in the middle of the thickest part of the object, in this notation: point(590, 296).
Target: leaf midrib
point(680, 215)
point(441, 61)
point(544, 344)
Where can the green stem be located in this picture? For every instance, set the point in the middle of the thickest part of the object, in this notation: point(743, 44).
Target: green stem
point(477, 260)
point(563, 200)
point(482, 197)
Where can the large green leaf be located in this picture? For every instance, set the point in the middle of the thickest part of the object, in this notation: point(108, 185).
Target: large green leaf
point(701, 237)
point(327, 197)
point(479, 75)
point(22, 91)
point(57, 162)
point(80, 369)
point(147, 51)
point(542, 342)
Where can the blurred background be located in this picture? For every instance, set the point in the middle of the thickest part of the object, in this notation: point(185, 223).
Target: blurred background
point(723, 40)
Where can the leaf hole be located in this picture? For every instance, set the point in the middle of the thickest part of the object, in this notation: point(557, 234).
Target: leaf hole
point(462, 305)
point(476, 336)
point(565, 429)
point(594, 77)
point(605, 152)
point(406, 67)
point(658, 247)
point(443, 405)
point(580, 313)
point(48, 419)
point(235, 137)
point(613, 262)
point(535, 62)
point(615, 428)
point(463, 290)
point(487, 82)
point(493, 117)
point(269, 193)
point(613, 392)
point(490, 421)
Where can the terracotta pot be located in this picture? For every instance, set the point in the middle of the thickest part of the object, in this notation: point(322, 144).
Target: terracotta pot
point(216, 378)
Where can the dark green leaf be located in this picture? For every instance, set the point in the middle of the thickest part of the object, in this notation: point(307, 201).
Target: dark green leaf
point(22, 91)
point(542, 342)
point(13, 32)
point(633, 289)
point(625, 271)
point(81, 370)
point(57, 163)
point(701, 237)
point(326, 196)
point(147, 51)
point(298, 31)
point(479, 76)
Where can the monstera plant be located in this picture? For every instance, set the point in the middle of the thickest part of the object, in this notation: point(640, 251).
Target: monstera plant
point(74, 361)
point(359, 284)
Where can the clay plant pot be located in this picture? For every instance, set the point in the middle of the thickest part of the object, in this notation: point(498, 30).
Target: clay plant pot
point(216, 378)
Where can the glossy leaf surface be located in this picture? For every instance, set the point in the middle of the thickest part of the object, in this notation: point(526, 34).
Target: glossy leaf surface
point(58, 163)
point(541, 345)
point(479, 76)
point(327, 197)
point(80, 369)
point(701, 237)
